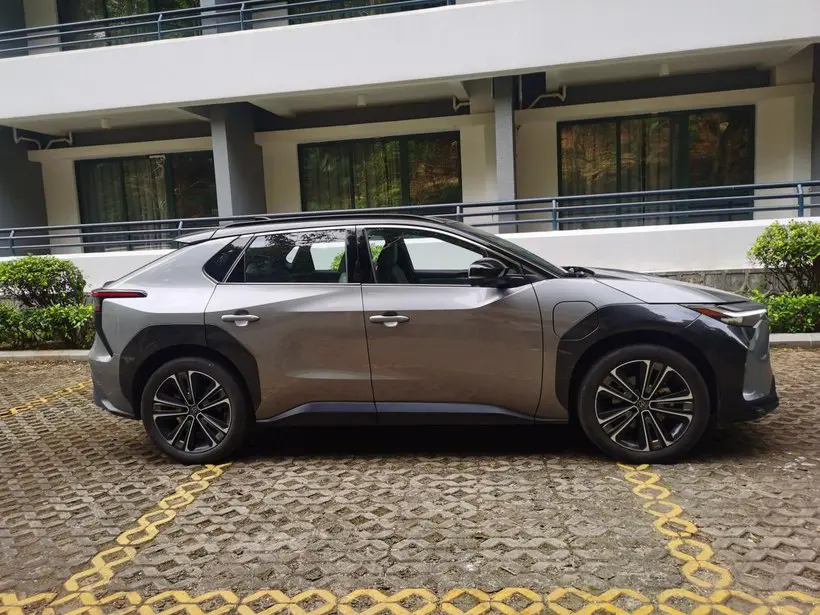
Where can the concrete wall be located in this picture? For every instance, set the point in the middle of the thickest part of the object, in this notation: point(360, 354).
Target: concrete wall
point(783, 147)
point(22, 201)
point(679, 248)
point(460, 42)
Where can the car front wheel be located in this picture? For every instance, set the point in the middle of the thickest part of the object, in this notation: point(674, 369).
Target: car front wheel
point(644, 404)
point(195, 410)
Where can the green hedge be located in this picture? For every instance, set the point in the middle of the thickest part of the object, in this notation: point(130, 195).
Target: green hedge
point(792, 312)
point(57, 326)
point(41, 281)
point(45, 306)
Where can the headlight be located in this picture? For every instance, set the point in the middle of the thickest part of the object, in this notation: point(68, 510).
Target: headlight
point(738, 315)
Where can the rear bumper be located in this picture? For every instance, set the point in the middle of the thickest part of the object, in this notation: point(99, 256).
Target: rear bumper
point(106, 382)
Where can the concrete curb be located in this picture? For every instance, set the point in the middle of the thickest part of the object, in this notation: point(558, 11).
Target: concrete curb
point(43, 355)
point(795, 340)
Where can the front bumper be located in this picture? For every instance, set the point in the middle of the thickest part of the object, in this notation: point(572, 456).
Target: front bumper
point(742, 366)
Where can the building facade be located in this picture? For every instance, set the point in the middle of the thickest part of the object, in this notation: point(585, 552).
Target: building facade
point(127, 110)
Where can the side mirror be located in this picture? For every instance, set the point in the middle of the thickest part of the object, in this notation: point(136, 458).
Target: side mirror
point(487, 272)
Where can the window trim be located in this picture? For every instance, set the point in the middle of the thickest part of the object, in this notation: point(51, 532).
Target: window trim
point(751, 109)
point(168, 180)
point(404, 163)
point(361, 230)
point(350, 231)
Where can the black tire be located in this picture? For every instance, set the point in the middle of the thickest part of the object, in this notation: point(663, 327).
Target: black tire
point(208, 443)
point(661, 426)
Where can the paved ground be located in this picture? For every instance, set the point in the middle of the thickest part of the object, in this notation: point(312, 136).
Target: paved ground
point(91, 514)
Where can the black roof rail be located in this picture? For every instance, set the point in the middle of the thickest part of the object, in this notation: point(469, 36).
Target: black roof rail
point(323, 215)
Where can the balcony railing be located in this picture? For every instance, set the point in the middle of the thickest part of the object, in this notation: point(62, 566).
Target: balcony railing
point(198, 21)
point(559, 213)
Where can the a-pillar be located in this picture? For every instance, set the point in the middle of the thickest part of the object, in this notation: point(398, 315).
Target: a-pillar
point(240, 180)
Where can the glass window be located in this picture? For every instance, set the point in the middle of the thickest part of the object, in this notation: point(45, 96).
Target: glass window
point(675, 150)
point(419, 170)
point(146, 188)
point(334, 9)
point(411, 256)
point(220, 263)
point(71, 11)
point(316, 256)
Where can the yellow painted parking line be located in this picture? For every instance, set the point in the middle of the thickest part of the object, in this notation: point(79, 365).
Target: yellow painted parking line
point(696, 555)
point(46, 399)
point(83, 584)
point(419, 601)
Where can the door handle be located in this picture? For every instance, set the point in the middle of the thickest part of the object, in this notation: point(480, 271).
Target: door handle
point(389, 320)
point(240, 320)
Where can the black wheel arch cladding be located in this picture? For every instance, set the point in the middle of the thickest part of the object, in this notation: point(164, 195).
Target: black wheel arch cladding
point(156, 345)
point(669, 325)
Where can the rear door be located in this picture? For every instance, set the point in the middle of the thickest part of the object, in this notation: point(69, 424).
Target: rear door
point(436, 340)
point(288, 302)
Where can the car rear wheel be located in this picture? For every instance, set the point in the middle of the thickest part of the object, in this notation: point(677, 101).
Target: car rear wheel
point(644, 404)
point(195, 410)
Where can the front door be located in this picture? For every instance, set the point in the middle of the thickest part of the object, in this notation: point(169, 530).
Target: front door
point(436, 340)
point(289, 303)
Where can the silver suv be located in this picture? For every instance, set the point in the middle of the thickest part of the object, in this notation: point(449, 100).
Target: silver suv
point(379, 319)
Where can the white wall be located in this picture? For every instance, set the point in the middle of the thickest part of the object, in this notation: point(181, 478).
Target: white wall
point(466, 41)
point(686, 247)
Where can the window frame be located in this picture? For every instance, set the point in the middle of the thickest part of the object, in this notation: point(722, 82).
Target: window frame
point(363, 251)
point(168, 181)
point(673, 115)
point(404, 164)
point(349, 251)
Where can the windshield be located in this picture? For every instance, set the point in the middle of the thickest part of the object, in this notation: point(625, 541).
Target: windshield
point(510, 247)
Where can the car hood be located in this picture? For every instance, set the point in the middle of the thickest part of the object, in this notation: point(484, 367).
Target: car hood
point(654, 289)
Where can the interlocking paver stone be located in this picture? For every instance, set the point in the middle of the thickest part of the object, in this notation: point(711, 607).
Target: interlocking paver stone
point(394, 508)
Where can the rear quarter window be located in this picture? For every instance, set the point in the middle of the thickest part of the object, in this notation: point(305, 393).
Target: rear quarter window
point(220, 264)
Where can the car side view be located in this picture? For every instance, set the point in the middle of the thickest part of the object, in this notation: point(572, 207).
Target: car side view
point(388, 319)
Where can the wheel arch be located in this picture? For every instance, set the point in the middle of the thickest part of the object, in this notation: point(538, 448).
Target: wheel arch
point(154, 346)
point(631, 338)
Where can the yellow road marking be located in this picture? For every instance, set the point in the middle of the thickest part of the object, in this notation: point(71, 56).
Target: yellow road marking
point(696, 555)
point(82, 585)
point(41, 401)
point(419, 601)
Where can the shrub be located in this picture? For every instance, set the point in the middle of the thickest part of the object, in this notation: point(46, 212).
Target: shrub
point(41, 281)
point(791, 254)
point(68, 326)
point(336, 263)
point(792, 312)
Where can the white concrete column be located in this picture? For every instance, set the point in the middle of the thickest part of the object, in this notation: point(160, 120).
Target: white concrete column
point(62, 203)
point(240, 182)
point(41, 13)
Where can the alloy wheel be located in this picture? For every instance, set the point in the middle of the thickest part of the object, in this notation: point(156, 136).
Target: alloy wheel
point(192, 411)
point(644, 405)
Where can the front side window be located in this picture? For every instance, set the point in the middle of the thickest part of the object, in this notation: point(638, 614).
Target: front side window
point(314, 256)
point(686, 149)
point(416, 256)
point(394, 171)
point(147, 188)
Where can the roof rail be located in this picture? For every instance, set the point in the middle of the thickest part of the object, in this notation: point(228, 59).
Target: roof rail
point(324, 215)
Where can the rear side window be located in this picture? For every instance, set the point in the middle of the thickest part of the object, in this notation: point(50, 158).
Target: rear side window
point(220, 263)
point(308, 257)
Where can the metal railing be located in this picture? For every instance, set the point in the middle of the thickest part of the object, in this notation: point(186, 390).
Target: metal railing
point(192, 22)
point(790, 199)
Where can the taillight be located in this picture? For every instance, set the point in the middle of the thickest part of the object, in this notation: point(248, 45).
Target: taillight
point(101, 294)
